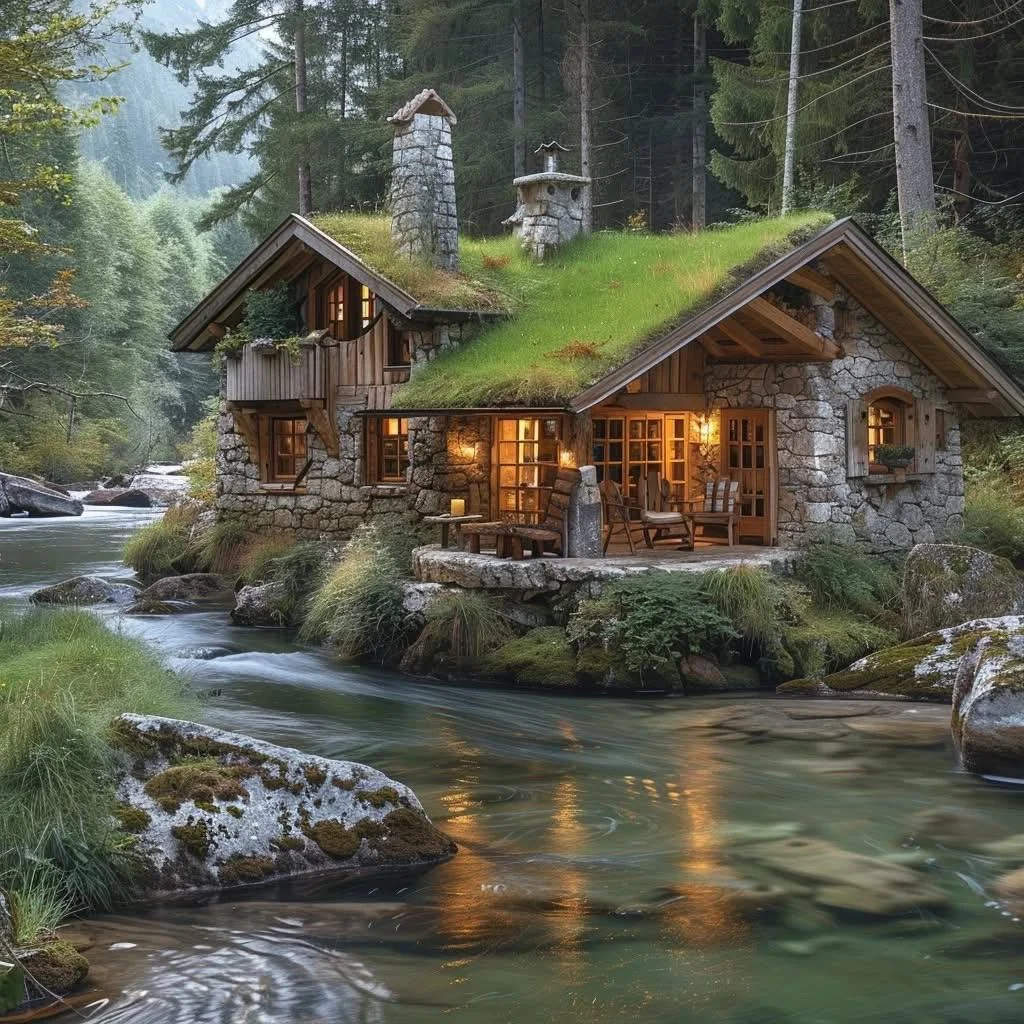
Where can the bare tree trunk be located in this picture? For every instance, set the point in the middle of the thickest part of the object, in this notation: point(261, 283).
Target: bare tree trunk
point(699, 157)
point(518, 91)
point(542, 87)
point(915, 185)
point(962, 173)
point(305, 179)
point(586, 87)
point(789, 154)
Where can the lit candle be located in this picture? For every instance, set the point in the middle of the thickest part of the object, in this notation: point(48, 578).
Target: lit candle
point(458, 506)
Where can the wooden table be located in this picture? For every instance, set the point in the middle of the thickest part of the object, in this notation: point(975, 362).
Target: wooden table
point(450, 520)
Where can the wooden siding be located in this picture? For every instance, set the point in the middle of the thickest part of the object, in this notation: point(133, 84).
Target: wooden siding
point(264, 378)
point(681, 373)
point(363, 359)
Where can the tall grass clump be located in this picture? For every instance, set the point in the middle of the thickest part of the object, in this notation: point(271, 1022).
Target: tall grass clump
point(993, 516)
point(260, 555)
point(65, 678)
point(467, 624)
point(752, 599)
point(299, 573)
point(358, 607)
point(162, 547)
point(221, 548)
point(841, 577)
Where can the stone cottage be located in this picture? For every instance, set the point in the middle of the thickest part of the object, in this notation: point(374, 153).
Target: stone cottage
point(782, 354)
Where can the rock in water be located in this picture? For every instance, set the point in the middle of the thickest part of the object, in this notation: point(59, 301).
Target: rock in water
point(113, 498)
point(921, 669)
point(946, 584)
point(86, 590)
point(22, 495)
point(988, 707)
point(176, 593)
point(259, 605)
point(213, 809)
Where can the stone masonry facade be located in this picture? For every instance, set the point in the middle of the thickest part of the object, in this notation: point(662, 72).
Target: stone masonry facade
point(451, 457)
point(810, 400)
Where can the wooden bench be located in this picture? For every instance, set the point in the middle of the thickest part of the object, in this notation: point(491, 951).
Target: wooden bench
point(511, 537)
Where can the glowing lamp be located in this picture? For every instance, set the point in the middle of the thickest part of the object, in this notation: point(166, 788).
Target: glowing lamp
point(458, 506)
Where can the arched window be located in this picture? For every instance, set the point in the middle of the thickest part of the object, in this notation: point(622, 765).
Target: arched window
point(888, 419)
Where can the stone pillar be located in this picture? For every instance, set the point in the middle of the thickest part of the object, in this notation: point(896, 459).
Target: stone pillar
point(584, 527)
point(424, 222)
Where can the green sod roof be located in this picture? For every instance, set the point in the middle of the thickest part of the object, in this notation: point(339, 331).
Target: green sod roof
point(574, 318)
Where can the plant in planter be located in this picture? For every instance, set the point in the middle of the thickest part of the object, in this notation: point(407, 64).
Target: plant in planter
point(894, 456)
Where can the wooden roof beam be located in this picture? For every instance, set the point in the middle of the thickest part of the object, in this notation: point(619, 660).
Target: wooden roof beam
point(792, 330)
point(971, 396)
point(811, 281)
point(745, 338)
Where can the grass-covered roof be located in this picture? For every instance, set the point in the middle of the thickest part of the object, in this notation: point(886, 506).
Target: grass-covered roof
point(574, 318)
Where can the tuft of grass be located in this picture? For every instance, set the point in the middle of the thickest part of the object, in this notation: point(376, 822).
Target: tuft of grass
point(38, 905)
point(260, 556)
point(993, 517)
point(467, 624)
point(221, 549)
point(583, 292)
point(751, 598)
point(299, 572)
point(358, 607)
point(159, 548)
point(65, 677)
point(841, 577)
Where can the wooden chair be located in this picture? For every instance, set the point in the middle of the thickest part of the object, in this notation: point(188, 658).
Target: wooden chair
point(657, 519)
point(512, 536)
point(718, 508)
point(616, 514)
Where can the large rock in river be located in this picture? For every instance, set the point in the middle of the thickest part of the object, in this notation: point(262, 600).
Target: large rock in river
point(946, 584)
point(86, 590)
point(19, 494)
point(988, 707)
point(924, 668)
point(180, 593)
point(261, 604)
point(118, 498)
point(213, 809)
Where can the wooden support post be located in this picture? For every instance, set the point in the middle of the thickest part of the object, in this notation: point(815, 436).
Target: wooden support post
point(323, 424)
point(742, 336)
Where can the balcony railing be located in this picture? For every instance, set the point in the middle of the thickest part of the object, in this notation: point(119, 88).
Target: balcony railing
point(276, 377)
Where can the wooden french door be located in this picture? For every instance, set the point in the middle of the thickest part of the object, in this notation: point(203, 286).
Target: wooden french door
point(748, 456)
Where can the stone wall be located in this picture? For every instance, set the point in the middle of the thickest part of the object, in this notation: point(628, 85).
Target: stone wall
point(336, 497)
point(810, 400)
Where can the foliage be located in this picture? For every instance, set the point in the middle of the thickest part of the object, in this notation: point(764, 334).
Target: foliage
point(576, 297)
point(823, 643)
point(465, 623)
point(358, 607)
point(200, 458)
point(221, 548)
point(261, 554)
point(652, 620)
point(39, 444)
point(752, 599)
point(894, 455)
point(842, 577)
point(159, 548)
point(298, 570)
point(541, 657)
point(993, 518)
point(270, 313)
point(66, 676)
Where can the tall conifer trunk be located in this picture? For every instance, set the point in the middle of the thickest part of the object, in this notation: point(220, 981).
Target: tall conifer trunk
point(586, 103)
point(518, 91)
point(305, 178)
point(915, 185)
point(699, 155)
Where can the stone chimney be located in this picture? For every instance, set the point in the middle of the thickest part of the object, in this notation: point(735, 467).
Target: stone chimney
point(550, 208)
point(422, 197)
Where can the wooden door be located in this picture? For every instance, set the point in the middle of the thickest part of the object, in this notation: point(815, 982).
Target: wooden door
point(748, 456)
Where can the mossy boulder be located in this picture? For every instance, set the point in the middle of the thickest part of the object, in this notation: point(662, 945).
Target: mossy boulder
point(924, 668)
point(947, 584)
point(211, 809)
point(823, 643)
point(57, 966)
point(86, 590)
point(182, 592)
point(541, 657)
point(988, 706)
point(259, 605)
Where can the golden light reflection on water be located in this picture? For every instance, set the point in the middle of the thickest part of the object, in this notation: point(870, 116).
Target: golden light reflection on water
point(568, 838)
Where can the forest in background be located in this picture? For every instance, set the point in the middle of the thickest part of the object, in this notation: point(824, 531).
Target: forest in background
point(677, 109)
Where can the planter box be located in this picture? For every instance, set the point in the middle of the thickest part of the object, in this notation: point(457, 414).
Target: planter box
point(274, 377)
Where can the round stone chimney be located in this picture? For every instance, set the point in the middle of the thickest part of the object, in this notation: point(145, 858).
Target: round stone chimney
point(550, 208)
point(424, 221)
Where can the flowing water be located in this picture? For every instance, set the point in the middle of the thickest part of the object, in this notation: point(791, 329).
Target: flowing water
point(599, 842)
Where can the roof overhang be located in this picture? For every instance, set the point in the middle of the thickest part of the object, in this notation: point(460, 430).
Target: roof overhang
point(880, 284)
point(295, 234)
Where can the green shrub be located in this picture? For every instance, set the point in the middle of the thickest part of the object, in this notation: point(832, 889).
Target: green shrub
point(163, 548)
point(541, 657)
point(841, 577)
point(270, 313)
point(652, 620)
point(65, 677)
point(358, 607)
point(199, 455)
point(466, 624)
point(993, 518)
point(261, 554)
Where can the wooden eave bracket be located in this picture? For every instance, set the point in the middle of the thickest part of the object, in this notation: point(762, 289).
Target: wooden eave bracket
point(814, 282)
point(793, 330)
point(323, 424)
point(247, 424)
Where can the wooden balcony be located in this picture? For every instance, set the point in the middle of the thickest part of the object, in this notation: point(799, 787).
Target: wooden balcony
point(276, 377)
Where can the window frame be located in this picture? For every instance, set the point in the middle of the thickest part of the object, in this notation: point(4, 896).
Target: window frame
point(898, 401)
point(526, 498)
point(272, 475)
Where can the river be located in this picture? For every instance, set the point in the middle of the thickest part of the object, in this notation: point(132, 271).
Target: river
point(596, 835)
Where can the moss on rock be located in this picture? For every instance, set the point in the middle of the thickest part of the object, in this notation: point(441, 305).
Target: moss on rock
point(827, 643)
point(243, 870)
point(409, 837)
point(199, 781)
point(132, 819)
point(194, 836)
point(541, 657)
point(58, 966)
